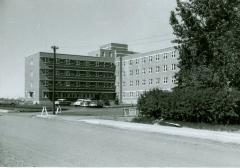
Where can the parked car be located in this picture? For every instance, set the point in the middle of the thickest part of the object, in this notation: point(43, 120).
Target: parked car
point(93, 104)
point(96, 103)
point(86, 102)
point(63, 102)
point(78, 102)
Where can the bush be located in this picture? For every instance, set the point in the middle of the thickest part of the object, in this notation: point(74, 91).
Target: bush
point(153, 103)
point(209, 105)
point(106, 102)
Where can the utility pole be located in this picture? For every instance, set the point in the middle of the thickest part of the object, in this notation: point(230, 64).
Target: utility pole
point(54, 76)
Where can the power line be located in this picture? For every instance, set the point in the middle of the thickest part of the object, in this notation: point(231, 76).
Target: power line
point(149, 37)
point(128, 41)
point(150, 42)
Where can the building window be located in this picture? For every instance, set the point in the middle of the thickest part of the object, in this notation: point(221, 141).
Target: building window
point(164, 68)
point(124, 63)
point(143, 82)
point(45, 60)
point(44, 83)
point(157, 57)
point(144, 71)
point(131, 83)
point(173, 80)
point(97, 64)
point(137, 82)
point(165, 56)
point(174, 66)
point(67, 83)
point(130, 62)
point(137, 94)
point(165, 80)
point(137, 71)
point(67, 61)
point(150, 81)
point(103, 54)
point(131, 94)
point(157, 68)
point(58, 60)
point(150, 58)
point(143, 60)
point(150, 70)
point(157, 81)
point(131, 72)
point(137, 61)
point(173, 54)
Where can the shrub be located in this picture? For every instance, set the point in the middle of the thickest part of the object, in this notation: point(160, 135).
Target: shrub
point(209, 105)
point(106, 102)
point(153, 103)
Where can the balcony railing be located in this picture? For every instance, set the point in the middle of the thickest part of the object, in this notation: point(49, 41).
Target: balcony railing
point(71, 88)
point(74, 78)
point(74, 67)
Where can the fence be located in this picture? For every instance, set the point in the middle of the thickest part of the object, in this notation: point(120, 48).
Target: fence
point(130, 112)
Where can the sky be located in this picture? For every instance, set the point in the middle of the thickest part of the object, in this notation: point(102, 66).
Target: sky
point(76, 27)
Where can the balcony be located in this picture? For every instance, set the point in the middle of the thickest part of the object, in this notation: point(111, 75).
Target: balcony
point(77, 67)
point(71, 88)
point(76, 78)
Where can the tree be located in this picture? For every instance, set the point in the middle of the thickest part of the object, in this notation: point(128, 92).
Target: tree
point(207, 33)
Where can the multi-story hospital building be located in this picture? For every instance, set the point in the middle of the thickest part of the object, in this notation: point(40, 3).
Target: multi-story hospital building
point(137, 73)
point(108, 73)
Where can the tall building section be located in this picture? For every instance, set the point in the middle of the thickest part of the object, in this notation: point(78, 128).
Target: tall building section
point(142, 72)
point(116, 51)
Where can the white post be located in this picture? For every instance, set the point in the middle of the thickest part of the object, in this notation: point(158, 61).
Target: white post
point(44, 110)
point(59, 110)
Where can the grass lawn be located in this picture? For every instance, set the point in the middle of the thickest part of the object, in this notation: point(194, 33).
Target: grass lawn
point(25, 108)
point(69, 110)
point(86, 111)
point(215, 127)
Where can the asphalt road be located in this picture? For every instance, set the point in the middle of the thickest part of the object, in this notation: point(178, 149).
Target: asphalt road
point(28, 141)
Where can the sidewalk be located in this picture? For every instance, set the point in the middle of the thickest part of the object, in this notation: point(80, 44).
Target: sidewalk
point(219, 136)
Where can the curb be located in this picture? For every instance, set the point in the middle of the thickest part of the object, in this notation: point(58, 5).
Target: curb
point(218, 136)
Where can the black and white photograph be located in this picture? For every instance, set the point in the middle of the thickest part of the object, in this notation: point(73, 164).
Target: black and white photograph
point(119, 83)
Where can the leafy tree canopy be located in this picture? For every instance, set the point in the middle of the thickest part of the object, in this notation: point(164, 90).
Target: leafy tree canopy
point(208, 37)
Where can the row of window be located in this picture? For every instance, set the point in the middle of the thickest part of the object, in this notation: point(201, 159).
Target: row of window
point(131, 94)
point(150, 70)
point(78, 84)
point(78, 95)
point(77, 62)
point(150, 58)
point(150, 81)
point(77, 73)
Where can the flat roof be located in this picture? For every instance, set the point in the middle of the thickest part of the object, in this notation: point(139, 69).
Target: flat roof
point(149, 52)
point(76, 57)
